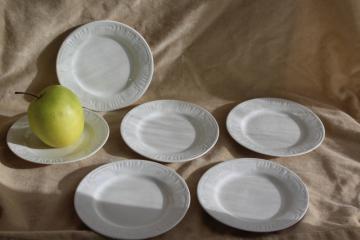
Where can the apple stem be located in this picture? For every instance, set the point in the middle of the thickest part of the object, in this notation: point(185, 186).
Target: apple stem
point(26, 93)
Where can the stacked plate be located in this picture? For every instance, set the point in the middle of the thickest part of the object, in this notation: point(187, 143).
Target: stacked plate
point(109, 66)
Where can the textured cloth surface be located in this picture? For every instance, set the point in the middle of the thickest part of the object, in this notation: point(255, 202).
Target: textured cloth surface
point(212, 53)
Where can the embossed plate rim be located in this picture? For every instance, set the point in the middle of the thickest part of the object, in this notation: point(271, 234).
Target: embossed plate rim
point(89, 100)
point(135, 233)
point(256, 226)
point(293, 151)
point(51, 161)
point(163, 158)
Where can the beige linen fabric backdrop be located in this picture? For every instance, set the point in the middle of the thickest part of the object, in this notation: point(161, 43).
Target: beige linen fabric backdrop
point(212, 53)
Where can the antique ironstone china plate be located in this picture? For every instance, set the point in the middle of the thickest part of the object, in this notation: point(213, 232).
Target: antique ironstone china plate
point(275, 127)
point(22, 141)
point(170, 130)
point(253, 195)
point(107, 64)
point(132, 199)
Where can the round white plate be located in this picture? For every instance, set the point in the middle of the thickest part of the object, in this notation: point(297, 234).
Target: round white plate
point(170, 130)
point(275, 127)
point(22, 141)
point(107, 64)
point(132, 199)
point(253, 195)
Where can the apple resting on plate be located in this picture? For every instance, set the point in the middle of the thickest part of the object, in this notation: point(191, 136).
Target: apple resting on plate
point(56, 116)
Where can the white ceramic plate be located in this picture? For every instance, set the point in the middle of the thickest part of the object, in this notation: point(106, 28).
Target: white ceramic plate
point(22, 141)
point(107, 64)
point(132, 199)
point(170, 130)
point(253, 195)
point(275, 127)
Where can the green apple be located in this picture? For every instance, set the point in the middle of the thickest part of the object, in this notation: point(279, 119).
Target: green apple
point(56, 117)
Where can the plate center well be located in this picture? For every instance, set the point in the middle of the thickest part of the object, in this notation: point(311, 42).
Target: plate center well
point(102, 66)
point(167, 132)
point(131, 201)
point(252, 197)
point(274, 130)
